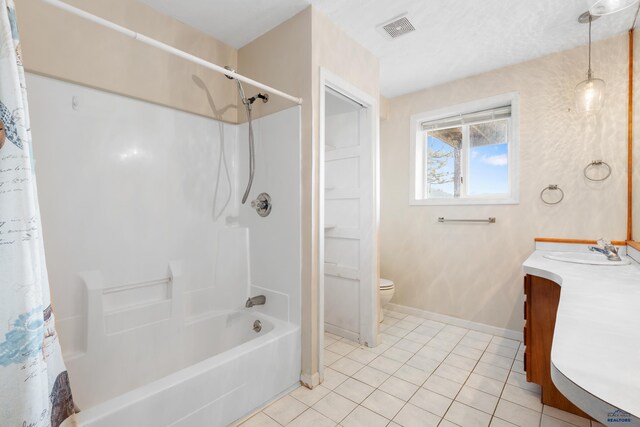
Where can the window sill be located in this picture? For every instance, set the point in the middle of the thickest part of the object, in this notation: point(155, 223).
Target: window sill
point(463, 202)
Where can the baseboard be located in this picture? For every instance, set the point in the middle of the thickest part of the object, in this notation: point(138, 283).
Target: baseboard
point(344, 333)
point(310, 381)
point(480, 327)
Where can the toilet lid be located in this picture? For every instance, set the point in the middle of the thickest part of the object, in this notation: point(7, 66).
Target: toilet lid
point(386, 284)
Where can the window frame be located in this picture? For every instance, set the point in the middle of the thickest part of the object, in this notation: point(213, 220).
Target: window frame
point(417, 155)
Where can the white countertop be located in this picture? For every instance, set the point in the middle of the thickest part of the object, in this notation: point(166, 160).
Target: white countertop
point(596, 342)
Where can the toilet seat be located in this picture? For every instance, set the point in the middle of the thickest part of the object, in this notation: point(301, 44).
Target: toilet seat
point(386, 284)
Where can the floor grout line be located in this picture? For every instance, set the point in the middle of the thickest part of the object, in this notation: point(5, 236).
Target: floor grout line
point(450, 339)
point(502, 391)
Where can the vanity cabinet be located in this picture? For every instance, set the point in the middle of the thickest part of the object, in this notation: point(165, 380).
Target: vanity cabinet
point(540, 307)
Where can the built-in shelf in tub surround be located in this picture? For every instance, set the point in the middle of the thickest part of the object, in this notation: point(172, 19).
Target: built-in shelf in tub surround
point(596, 342)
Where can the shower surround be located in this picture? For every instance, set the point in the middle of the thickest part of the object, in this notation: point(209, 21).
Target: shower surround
point(152, 256)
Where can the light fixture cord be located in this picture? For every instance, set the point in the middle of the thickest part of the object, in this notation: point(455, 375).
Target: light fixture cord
point(590, 73)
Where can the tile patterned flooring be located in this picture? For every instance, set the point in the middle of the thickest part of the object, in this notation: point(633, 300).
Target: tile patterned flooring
point(424, 373)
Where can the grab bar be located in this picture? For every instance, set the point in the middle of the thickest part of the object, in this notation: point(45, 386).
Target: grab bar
point(131, 286)
point(490, 220)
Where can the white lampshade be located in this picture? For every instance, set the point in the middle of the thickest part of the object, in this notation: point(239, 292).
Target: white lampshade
point(607, 7)
point(590, 95)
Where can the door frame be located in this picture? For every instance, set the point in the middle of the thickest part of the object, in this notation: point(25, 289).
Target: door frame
point(369, 298)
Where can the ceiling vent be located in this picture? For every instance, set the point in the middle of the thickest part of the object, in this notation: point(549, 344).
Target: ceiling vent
point(397, 27)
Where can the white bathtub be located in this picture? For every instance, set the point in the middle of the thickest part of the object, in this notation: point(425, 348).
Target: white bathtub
point(218, 370)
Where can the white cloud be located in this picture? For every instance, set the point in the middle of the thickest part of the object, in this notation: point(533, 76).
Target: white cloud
point(498, 160)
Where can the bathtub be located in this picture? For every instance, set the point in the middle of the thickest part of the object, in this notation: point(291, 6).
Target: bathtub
point(147, 364)
point(219, 371)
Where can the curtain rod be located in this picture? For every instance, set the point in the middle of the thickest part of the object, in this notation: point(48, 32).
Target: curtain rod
point(170, 49)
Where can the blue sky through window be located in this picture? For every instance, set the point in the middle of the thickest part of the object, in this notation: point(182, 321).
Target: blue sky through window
point(488, 169)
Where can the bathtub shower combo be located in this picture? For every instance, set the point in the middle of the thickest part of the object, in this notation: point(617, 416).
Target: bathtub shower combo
point(202, 371)
point(173, 307)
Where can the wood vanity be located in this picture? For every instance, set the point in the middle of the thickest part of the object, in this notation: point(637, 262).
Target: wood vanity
point(540, 308)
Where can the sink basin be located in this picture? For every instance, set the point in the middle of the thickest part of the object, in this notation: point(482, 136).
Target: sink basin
point(585, 258)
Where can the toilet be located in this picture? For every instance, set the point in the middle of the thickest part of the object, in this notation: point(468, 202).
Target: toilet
point(386, 290)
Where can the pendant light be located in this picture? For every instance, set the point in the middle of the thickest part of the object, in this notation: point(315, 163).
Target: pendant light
point(589, 93)
point(607, 7)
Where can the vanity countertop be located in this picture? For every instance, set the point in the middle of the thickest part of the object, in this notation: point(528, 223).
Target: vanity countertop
point(596, 342)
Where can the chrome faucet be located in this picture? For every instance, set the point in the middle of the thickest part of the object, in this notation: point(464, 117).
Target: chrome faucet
point(259, 300)
point(607, 249)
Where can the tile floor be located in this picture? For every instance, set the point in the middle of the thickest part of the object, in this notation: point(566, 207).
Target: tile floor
point(424, 373)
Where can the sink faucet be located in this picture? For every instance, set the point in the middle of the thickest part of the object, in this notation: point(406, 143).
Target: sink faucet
point(259, 300)
point(606, 248)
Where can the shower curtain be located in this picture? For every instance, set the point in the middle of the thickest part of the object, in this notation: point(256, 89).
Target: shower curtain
point(34, 386)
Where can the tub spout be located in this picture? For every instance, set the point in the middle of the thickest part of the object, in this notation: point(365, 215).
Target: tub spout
point(259, 300)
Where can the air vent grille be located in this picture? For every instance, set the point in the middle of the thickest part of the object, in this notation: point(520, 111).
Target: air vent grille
point(398, 27)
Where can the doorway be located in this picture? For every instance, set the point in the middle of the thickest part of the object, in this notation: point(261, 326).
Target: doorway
point(348, 205)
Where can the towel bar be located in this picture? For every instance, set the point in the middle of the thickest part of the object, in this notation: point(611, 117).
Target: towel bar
point(490, 220)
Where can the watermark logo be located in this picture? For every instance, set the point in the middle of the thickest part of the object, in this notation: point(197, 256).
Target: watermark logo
point(619, 416)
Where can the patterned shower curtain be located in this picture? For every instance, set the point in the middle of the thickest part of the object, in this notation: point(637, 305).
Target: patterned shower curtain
point(34, 386)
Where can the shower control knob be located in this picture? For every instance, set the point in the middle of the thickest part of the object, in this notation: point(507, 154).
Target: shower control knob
point(262, 204)
point(259, 204)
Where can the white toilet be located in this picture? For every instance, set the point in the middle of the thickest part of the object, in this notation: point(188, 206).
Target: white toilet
point(386, 290)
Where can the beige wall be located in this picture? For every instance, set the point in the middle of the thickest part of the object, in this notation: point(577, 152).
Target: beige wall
point(61, 45)
point(282, 58)
point(384, 108)
point(336, 52)
point(289, 57)
point(473, 271)
point(331, 49)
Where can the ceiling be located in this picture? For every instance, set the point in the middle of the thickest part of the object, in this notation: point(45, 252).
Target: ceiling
point(235, 22)
point(453, 38)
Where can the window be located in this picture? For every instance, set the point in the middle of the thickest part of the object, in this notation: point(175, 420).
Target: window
point(466, 154)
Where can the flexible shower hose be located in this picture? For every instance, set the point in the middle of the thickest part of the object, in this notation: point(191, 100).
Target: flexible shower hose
point(252, 165)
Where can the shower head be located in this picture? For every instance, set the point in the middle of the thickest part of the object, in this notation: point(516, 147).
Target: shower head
point(247, 104)
point(245, 101)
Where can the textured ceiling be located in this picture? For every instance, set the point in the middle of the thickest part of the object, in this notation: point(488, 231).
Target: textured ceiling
point(460, 38)
point(453, 38)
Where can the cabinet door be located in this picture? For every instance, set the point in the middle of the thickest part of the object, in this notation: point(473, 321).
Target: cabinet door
point(543, 297)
